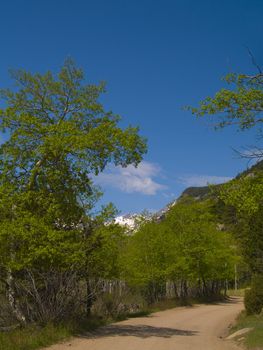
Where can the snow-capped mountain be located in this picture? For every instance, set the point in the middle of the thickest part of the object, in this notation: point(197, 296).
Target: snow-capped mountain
point(126, 220)
point(132, 221)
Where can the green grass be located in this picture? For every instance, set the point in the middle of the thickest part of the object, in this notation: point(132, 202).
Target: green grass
point(142, 313)
point(32, 338)
point(172, 303)
point(236, 293)
point(254, 339)
point(163, 305)
point(35, 337)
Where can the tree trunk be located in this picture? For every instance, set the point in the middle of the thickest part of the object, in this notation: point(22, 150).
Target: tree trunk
point(175, 290)
point(13, 302)
point(205, 290)
point(89, 297)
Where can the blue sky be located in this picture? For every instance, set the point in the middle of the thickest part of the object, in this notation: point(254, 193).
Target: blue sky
point(156, 57)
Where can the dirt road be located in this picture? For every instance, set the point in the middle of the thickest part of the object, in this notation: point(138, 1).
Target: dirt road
point(200, 327)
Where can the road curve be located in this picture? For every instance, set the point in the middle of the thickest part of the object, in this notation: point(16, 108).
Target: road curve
point(200, 327)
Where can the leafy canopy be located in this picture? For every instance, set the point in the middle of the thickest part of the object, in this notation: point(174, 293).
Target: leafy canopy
point(59, 123)
point(58, 136)
point(187, 245)
point(240, 105)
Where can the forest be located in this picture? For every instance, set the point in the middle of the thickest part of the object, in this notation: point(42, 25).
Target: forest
point(62, 260)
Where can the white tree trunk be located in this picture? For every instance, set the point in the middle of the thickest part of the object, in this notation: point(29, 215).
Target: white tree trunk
point(12, 299)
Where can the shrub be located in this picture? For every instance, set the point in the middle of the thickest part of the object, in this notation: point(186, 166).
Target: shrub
point(254, 296)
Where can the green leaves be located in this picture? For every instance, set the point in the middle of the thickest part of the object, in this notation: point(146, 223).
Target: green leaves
point(60, 119)
point(240, 105)
point(245, 194)
point(186, 245)
point(103, 252)
point(59, 137)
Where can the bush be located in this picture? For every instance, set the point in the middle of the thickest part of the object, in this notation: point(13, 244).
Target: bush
point(109, 305)
point(254, 296)
point(252, 302)
point(52, 296)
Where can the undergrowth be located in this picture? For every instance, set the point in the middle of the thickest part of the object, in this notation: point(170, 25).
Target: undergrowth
point(253, 339)
point(35, 337)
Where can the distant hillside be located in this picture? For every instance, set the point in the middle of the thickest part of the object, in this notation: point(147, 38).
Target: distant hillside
point(254, 168)
point(197, 192)
point(131, 221)
point(205, 191)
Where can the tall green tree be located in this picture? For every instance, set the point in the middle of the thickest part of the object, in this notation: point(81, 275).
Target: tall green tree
point(58, 137)
point(60, 134)
point(186, 247)
point(241, 105)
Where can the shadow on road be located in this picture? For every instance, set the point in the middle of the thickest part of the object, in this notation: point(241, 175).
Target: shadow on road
point(141, 331)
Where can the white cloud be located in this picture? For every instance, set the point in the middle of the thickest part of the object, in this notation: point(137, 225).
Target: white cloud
point(132, 179)
point(202, 180)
